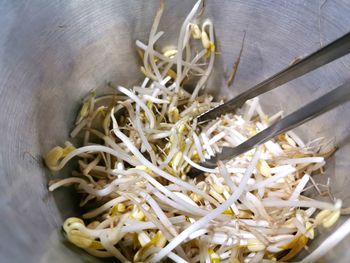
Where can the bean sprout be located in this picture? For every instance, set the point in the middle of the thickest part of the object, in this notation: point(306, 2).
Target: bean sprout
point(141, 205)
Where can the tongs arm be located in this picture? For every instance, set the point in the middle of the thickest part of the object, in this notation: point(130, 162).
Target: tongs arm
point(328, 53)
point(315, 108)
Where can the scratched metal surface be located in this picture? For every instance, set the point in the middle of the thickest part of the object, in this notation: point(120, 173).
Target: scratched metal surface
point(54, 52)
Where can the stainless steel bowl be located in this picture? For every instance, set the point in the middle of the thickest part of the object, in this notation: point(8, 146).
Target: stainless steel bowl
point(53, 52)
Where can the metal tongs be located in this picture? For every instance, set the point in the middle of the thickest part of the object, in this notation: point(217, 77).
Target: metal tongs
point(332, 99)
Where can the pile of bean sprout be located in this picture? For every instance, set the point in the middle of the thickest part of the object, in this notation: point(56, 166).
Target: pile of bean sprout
point(138, 145)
